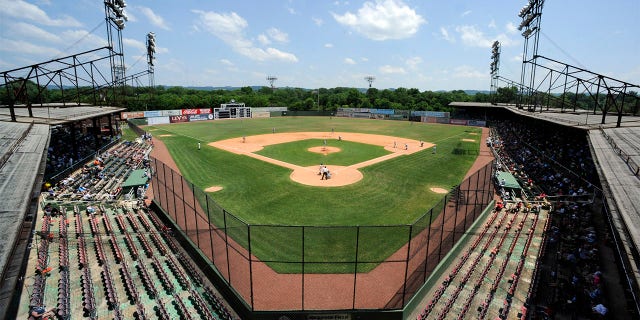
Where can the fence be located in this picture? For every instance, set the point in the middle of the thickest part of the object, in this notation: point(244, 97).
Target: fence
point(247, 255)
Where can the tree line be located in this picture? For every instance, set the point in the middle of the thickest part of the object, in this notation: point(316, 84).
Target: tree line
point(323, 99)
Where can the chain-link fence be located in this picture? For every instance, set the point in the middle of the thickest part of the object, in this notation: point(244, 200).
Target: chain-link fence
point(317, 277)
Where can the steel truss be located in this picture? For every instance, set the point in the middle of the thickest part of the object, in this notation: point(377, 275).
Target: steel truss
point(558, 81)
point(78, 74)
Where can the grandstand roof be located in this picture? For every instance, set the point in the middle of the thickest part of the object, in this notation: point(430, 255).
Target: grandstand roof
point(57, 113)
point(22, 147)
point(582, 119)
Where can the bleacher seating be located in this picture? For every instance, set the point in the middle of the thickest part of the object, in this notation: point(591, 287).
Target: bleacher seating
point(57, 247)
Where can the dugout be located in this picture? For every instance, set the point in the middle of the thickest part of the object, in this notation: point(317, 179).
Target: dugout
point(136, 179)
point(508, 185)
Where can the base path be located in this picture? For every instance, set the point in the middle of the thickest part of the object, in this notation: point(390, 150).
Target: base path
point(340, 175)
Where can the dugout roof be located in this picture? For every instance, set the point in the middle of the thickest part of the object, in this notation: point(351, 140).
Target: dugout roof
point(509, 180)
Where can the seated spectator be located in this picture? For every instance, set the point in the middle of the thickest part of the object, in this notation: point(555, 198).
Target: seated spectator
point(40, 312)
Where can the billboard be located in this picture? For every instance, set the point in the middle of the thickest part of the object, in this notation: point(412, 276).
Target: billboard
point(477, 123)
point(200, 117)
point(131, 115)
point(382, 111)
point(176, 119)
point(167, 113)
point(435, 114)
point(195, 111)
point(458, 121)
point(158, 120)
point(150, 114)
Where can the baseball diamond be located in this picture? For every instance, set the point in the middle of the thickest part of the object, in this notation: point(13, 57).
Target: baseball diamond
point(283, 221)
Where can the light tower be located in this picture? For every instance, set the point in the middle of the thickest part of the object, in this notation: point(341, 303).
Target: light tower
point(494, 67)
point(370, 80)
point(531, 15)
point(271, 80)
point(115, 18)
point(151, 56)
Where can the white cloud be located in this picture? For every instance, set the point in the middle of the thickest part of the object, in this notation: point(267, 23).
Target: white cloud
point(21, 46)
point(161, 50)
point(318, 21)
point(413, 62)
point(130, 16)
point(492, 24)
point(230, 28)
point(155, 19)
point(466, 13)
point(21, 29)
point(517, 58)
point(291, 10)
point(278, 35)
point(387, 69)
point(263, 39)
point(135, 44)
point(467, 72)
point(24, 10)
point(89, 40)
point(445, 35)
point(328, 45)
point(226, 62)
point(511, 28)
point(364, 59)
point(473, 37)
point(349, 61)
point(383, 20)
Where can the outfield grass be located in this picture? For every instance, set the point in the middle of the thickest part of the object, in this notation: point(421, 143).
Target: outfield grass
point(392, 194)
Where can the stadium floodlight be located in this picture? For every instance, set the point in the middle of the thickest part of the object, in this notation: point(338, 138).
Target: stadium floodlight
point(271, 80)
point(118, 22)
point(495, 57)
point(526, 9)
point(528, 32)
point(121, 3)
point(370, 80)
point(119, 12)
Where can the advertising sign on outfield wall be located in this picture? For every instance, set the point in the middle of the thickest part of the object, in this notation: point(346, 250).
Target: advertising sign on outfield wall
point(435, 114)
point(150, 114)
point(176, 119)
point(157, 120)
point(205, 111)
point(167, 113)
point(200, 117)
point(458, 121)
point(131, 115)
point(190, 111)
point(477, 123)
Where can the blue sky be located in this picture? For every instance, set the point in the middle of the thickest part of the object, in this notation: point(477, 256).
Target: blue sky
point(424, 44)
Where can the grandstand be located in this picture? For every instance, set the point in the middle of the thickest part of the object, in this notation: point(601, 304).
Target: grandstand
point(130, 265)
point(613, 143)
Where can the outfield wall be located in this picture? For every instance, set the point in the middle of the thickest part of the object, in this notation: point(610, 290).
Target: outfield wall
point(226, 242)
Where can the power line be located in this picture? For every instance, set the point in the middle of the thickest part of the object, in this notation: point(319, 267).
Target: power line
point(78, 41)
point(562, 50)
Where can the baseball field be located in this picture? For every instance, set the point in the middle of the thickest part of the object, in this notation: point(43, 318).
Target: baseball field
point(385, 176)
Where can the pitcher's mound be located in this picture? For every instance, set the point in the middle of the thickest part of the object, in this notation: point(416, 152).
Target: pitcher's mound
point(324, 150)
point(340, 176)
